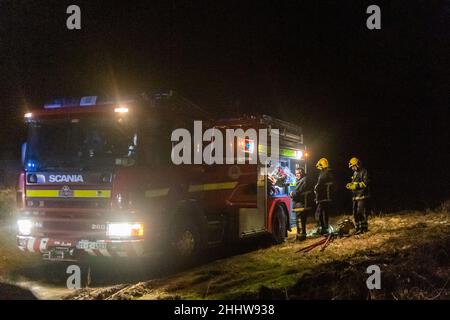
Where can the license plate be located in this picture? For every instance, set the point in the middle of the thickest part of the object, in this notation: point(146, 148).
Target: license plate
point(90, 245)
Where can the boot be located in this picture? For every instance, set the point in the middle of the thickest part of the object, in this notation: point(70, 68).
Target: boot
point(364, 227)
point(300, 237)
point(358, 227)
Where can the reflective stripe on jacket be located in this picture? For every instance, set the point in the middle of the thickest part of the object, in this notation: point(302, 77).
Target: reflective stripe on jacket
point(361, 177)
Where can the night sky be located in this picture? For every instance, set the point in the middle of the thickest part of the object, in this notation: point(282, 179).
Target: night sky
point(381, 95)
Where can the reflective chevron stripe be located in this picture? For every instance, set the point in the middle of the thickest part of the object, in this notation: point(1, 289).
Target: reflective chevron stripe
point(123, 249)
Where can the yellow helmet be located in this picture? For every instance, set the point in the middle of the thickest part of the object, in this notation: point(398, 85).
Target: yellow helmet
point(322, 164)
point(354, 162)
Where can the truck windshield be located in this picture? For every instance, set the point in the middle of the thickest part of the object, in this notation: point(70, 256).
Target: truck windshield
point(79, 143)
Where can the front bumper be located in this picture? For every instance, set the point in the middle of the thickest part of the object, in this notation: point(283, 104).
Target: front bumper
point(70, 249)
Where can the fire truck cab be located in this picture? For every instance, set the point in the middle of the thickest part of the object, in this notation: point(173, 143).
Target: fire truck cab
point(98, 180)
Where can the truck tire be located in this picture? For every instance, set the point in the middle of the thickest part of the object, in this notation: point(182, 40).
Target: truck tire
point(184, 240)
point(279, 225)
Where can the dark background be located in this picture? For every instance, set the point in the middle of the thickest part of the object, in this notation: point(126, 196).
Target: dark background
point(380, 95)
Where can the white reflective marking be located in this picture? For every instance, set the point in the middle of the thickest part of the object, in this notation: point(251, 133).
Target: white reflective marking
point(43, 245)
point(30, 244)
point(104, 252)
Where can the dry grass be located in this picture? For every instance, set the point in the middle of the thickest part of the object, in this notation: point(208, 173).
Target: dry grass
point(444, 207)
point(410, 247)
point(11, 258)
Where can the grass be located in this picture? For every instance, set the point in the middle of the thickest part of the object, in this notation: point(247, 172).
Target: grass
point(11, 258)
point(411, 249)
point(277, 270)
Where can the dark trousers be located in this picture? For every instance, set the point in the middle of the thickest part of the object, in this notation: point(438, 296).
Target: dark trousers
point(300, 221)
point(322, 212)
point(360, 212)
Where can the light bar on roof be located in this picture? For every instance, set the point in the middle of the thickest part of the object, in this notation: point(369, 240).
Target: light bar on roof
point(72, 102)
point(53, 105)
point(88, 101)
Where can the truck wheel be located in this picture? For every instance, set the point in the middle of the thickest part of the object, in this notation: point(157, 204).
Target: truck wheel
point(185, 239)
point(278, 225)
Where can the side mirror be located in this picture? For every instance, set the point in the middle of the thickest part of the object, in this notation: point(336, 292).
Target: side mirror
point(23, 152)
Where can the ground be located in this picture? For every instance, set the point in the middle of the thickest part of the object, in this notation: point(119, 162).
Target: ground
point(411, 249)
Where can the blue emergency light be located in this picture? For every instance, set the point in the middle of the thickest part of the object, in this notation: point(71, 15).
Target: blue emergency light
point(71, 102)
point(31, 165)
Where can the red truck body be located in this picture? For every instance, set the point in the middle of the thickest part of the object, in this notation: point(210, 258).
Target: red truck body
point(132, 201)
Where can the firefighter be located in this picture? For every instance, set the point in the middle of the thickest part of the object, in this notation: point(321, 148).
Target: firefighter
point(299, 199)
point(360, 194)
point(323, 191)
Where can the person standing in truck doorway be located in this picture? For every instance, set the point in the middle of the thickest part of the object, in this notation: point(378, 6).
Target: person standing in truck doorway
point(299, 198)
point(323, 191)
point(360, 194)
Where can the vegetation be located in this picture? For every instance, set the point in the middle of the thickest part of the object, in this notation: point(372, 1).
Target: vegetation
point(411, 248)
point(11, 259)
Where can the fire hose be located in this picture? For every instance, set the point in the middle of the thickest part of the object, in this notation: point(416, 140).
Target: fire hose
point(324, 242)
point(343, 229)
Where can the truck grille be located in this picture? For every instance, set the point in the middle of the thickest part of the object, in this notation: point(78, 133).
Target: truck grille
point(68, 203)
point(72, 228)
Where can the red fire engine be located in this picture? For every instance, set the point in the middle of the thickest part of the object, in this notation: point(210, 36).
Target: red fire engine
point(98, 180)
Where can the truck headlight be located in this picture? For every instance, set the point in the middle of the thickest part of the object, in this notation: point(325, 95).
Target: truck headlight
point(25, 226)
point(125, 230)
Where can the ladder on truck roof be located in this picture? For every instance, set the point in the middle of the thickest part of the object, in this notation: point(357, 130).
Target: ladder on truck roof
point(288, 131)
